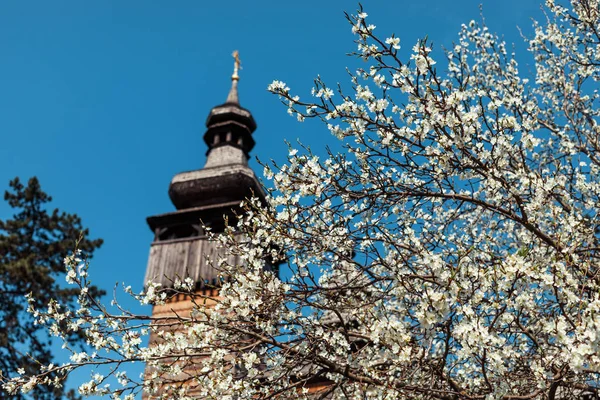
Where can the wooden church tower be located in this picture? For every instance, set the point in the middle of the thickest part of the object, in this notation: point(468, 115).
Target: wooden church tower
point(202, 198)
point(205, 196)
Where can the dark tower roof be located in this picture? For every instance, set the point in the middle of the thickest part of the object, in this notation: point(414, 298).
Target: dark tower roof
point(230, 118)
point(226, 176)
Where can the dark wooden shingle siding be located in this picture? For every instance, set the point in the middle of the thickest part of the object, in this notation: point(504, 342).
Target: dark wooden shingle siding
point(182, 258)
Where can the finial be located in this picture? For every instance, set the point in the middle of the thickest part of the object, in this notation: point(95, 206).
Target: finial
point(236, 65)
point(233, 94)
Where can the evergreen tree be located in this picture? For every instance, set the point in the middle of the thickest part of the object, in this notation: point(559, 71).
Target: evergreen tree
point(33, 244)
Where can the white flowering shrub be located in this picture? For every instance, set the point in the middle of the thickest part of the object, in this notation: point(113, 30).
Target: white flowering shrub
point(450, 252)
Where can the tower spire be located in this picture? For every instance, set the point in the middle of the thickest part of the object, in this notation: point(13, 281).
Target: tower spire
point(232, 98)
point(229, 140)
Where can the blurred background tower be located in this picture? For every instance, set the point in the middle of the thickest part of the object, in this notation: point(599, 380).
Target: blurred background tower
point(207, 194)
point(204, 197)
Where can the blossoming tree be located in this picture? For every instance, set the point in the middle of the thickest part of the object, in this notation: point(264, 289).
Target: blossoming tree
point(450, 252)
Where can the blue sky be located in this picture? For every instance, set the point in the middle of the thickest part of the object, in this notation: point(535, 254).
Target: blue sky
point(105, 101)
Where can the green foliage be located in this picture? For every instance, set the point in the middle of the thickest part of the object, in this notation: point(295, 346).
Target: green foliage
point(33, 244)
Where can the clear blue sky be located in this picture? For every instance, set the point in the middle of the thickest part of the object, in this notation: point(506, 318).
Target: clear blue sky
point(105, 101)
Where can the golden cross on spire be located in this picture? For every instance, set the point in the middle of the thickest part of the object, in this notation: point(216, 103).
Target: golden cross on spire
point(236, 65)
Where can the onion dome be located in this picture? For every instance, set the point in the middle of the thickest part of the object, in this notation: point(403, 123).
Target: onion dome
point(226, 176)
point(229, 124)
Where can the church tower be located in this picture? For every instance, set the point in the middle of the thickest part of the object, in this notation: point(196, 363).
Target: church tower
point(203, 197)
